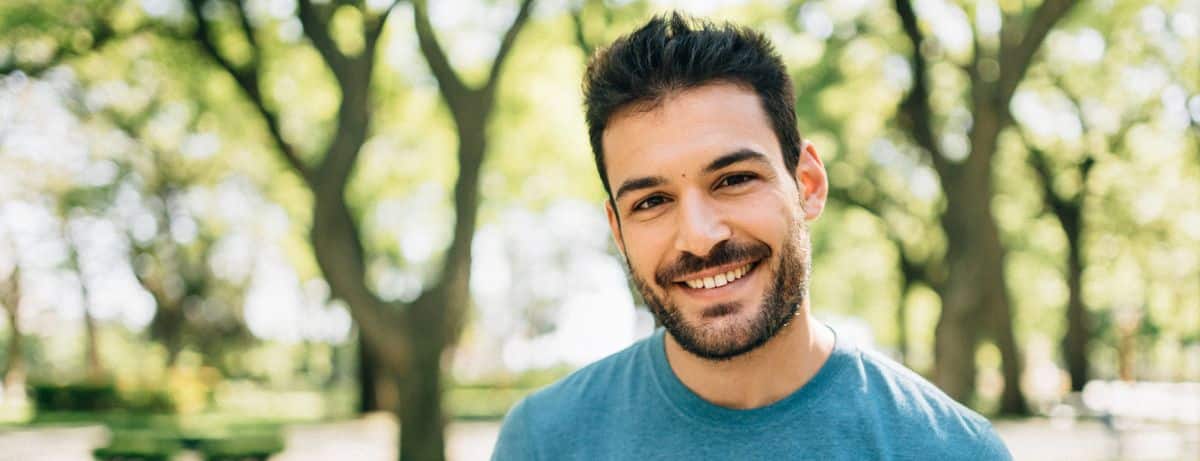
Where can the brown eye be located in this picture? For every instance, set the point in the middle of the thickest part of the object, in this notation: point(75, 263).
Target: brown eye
point(650, 202)
point(735, 179)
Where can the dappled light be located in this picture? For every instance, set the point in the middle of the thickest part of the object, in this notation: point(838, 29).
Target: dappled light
point(291, 230)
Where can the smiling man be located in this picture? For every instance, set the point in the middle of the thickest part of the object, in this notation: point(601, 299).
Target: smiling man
point(711, 189)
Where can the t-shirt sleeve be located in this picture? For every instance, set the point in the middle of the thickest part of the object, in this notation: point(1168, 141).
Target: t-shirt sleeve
point(516, 437)
point(992, 447)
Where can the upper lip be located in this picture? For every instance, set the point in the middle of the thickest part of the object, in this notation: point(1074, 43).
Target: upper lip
point(712, 272)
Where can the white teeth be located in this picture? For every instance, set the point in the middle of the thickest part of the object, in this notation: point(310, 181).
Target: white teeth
point(719, 279)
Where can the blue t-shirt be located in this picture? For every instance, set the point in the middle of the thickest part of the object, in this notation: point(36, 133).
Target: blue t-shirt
point(858, 406)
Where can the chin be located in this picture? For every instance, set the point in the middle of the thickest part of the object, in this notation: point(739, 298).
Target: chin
point(731, 332)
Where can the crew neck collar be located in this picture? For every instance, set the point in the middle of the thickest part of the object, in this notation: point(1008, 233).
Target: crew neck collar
point(693, 406)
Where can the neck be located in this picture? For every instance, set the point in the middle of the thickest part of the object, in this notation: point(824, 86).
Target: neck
point(762, 376)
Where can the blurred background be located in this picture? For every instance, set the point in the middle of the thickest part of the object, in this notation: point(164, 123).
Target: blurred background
point(362, 230)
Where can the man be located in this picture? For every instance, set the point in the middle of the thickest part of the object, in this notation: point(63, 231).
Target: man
point(711, 187)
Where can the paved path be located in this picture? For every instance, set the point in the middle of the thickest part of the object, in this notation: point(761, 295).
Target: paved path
point(374, 438)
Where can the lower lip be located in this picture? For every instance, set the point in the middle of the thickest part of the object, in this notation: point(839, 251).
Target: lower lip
point(721, 291)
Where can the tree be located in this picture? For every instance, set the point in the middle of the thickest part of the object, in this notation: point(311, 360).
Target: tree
point(443, 307)
point(975, 287)
point(13, 375)
point(407, 338)
point(1065, 166)
point(915, 267)
point(94, 367)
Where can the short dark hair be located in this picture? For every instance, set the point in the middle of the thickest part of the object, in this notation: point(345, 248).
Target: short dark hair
point(672, 53)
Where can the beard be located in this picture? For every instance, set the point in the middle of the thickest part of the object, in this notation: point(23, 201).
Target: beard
point(780, 303)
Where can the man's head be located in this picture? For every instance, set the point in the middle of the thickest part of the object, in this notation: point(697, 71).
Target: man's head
point(710, 185)
point(671, 54)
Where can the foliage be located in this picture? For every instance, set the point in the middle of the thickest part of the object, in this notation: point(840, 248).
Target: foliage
point(98, 397)
point(1104, 117)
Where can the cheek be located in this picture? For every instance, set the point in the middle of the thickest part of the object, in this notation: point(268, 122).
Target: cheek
point(767, 217)
point(644, 249)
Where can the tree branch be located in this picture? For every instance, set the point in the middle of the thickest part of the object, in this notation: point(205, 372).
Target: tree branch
point(580, 35)
point(1014, 60)
point(248, 81)
point(916, 113)
point(316, 28)
point(244, 22)
point(338, 248)
point(102, 34)
point(913, 268)
point(506, 44)
point(373, 30)
point(1041, 165)
point(439, 64)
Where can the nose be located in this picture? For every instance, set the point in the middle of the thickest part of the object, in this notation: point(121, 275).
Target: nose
point(701, 226)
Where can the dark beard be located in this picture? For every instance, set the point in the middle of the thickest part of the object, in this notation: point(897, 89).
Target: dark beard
point(780, 303)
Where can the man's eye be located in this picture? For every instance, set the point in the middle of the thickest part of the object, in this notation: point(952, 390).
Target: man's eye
point(735, 179)
point(649, 203)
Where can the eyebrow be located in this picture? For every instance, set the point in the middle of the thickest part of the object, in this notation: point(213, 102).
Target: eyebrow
point(631, 185)
point(740, 155)
point(736, 156)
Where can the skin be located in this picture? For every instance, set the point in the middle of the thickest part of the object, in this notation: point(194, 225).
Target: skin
point(681, 206)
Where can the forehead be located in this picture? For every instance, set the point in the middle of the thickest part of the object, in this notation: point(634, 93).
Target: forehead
point(686, 130)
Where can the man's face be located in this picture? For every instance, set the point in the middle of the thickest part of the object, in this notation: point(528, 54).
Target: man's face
point(711, 222)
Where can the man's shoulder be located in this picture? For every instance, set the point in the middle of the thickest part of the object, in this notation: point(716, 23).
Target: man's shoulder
point(906, 401)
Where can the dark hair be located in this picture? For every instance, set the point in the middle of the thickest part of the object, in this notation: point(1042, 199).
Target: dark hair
point(672, 53)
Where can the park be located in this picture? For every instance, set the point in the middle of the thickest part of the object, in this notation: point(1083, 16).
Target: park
point(366, 229)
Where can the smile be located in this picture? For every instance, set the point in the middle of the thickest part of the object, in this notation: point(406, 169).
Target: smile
point(721, 279)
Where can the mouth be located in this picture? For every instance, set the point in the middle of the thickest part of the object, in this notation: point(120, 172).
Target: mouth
point(721, 278)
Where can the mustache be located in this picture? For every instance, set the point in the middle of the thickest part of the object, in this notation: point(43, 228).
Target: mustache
point(725, 252)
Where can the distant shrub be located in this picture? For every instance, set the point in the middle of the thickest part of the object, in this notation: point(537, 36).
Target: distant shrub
point(99, 397)
point(76, 397)
point(147, 401)
point(139, 445)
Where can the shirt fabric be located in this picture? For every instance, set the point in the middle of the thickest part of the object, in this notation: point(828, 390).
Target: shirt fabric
point(630, 405)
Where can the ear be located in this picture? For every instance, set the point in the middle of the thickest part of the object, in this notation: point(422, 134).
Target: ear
point(614, 224)
point(810, 176)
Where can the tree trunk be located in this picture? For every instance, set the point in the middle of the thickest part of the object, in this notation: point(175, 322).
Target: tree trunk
point(1126, 352)
point(975, 282)
point(14, 373)
point(14, 370)
point(1075, 341)
point(93, 367)
point(999, 310)
point(422, 422)
point(95, 371)
point(378, 387)
point(1069, 212)
point(444, 307)
point(956, 333)
point(912, 272)
point(902, 322)
point(975, 287)
point(368, 376)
